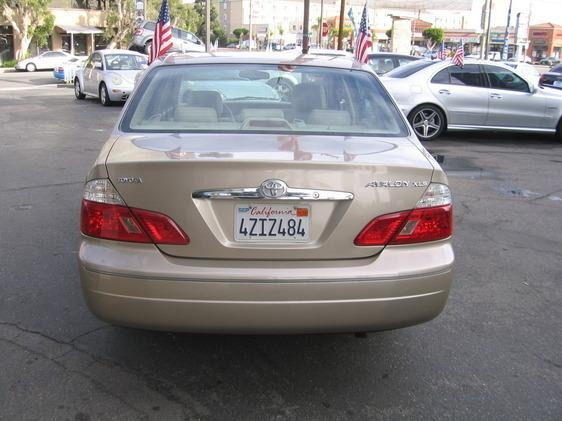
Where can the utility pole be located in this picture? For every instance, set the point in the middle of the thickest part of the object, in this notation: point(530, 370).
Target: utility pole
point(208, 25)
point(305, 37)
point(516, 37)
point(487, 54)
point(250, 31)
point(483, 39)
point(505, 48)
point(340, 29)
point(321, 24)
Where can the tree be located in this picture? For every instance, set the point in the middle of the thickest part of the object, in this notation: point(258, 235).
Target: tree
point(42, 32)
point(26, 16)
point(217, 31)
point(433, 36)
point(240, 32)
point(120, 22)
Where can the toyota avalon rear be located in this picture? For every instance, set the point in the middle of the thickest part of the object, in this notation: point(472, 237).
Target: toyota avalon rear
point(221, 205)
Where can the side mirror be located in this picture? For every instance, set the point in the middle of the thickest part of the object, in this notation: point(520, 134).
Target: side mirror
point(532, 88)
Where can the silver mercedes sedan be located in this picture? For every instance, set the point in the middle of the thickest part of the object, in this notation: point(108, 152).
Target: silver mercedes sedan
point(438, 95)
point(217, 205)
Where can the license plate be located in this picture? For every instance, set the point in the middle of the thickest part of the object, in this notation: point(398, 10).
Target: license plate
point(557, 83)
point(287, 223)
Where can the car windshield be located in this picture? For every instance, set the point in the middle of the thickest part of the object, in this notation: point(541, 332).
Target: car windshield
point(410, 68)
point(262, 98)
point(124, 62)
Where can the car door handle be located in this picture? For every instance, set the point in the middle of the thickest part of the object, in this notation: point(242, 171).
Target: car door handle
point(496, 96)
point(444, 91)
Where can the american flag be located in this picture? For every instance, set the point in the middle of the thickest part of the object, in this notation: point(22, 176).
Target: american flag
point(458, 58)
point(162, 40)
point(363, 42)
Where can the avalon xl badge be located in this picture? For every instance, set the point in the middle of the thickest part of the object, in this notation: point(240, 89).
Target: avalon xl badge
point(397, 183)
point(272, 189)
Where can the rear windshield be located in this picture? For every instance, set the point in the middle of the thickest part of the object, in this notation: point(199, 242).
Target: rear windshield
point(556, 69)
point(410, 68)
point(262, 98)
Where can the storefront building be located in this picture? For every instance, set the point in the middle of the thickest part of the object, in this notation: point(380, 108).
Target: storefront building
point(545, 41)
point(78, 29)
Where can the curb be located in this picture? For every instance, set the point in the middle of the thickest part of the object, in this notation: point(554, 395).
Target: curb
point(7, 70)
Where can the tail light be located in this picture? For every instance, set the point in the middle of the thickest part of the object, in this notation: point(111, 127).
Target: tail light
point(138, 32)
point(430, 220)
point(105, 215)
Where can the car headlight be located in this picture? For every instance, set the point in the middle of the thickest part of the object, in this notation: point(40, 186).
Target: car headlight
point(116, 80)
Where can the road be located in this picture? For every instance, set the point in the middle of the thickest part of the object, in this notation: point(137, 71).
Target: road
point(494, 353)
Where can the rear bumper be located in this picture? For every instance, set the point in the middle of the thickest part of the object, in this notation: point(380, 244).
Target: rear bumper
point(207, 298)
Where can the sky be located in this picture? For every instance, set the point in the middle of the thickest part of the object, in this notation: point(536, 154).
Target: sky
point(541, 11)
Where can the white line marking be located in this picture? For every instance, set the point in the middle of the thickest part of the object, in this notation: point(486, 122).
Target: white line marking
point(26, 88)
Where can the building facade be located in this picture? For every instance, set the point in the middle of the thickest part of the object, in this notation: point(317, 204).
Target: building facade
point(545, 40)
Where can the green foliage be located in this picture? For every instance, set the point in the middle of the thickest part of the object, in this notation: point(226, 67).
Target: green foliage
point(9, 63)
point(25, 16)
point(347, 31)
point(238, 32)
point(42, 32)
point(433, 35)
point(183, 16)
point(388, 34)
point(217, 31)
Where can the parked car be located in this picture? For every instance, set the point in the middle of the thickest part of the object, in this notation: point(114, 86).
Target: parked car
point(247, 213)
point(525, 69)
point(109, 75)
point(438, 95)
point(550, 61)
point(552, 78)
point(43, 61)
point(385, 62)
point(70, 65)
point(182, 40)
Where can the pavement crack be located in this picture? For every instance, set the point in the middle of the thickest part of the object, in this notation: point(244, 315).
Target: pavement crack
point(88, 333)
point(40, 186)
point(142, 415)
point(164, 388)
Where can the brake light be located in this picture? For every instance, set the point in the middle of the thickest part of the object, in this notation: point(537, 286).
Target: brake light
point(431, 220)
point(105, 215)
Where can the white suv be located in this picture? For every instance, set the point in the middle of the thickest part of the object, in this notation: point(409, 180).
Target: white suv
point(182, 40)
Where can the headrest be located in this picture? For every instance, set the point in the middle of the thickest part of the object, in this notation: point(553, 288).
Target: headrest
point(210, 99)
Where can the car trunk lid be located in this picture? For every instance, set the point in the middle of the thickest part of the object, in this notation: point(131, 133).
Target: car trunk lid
point(347, 181)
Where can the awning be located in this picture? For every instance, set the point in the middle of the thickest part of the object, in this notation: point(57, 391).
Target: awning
point(79, 29)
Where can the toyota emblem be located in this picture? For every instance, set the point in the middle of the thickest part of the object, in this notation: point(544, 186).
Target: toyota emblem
point(272, 189)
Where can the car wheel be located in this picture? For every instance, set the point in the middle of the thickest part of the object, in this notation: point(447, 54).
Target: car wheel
point(283, 86)
point(428, 122)
point(30, 67)
point(559, 131)
point(77, 91)
point(104, 95)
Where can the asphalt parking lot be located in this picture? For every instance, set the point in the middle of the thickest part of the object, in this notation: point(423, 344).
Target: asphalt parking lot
point(494, 353)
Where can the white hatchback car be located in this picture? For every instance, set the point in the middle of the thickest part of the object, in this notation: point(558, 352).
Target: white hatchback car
point(109, 75)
